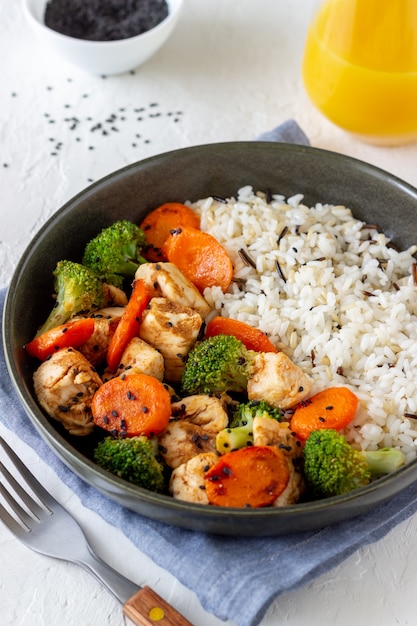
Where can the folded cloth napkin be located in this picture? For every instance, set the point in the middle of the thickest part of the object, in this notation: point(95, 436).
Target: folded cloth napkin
point(241, 579)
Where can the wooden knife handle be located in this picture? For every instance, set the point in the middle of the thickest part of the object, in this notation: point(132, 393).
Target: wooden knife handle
point(146, 608)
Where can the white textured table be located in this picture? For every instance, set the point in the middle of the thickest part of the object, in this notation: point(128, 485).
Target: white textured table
point(230, 71)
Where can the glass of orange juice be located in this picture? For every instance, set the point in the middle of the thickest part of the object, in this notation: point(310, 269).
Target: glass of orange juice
point(360, 67)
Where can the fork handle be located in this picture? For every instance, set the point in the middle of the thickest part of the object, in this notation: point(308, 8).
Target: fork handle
point(147, 608)
point(141, 605)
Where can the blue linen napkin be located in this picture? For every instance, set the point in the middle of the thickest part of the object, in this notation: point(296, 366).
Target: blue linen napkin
point(240, 579)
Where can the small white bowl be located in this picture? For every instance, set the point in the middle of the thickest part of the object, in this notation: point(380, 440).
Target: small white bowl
point(103, 57)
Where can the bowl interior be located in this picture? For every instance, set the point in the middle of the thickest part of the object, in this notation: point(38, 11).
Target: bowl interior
point(189, 174)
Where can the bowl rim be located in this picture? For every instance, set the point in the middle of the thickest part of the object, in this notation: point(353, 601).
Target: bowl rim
point(64, 450)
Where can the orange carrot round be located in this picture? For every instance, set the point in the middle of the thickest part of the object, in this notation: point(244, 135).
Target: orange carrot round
point(129, 324)
point(249, 477)
point(334, 407)
point(252, 338)
point(69, 335)
point(132, 405)
point(158, 224)
point(200, 257)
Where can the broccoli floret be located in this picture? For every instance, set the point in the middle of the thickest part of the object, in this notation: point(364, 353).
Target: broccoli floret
point(384, 460)
point(217, 364)
point(239, 434)
point(332, 466)
point(115, 253)
point(77, 288)
point(133, 459)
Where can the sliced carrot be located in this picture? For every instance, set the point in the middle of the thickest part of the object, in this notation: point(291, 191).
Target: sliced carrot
point(129, 324)
point(200, 257)
point(334, 407)
point(158, 224)
point(252, 338)
point(69, 335)
point(249, 477)
point(132, 405)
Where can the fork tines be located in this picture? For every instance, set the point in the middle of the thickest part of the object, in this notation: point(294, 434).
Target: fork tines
point(23, 505)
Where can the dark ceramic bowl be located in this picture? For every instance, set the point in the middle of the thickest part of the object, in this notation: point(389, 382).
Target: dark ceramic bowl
point(218, 169)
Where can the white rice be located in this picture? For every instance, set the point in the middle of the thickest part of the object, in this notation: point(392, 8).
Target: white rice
point(344, 309)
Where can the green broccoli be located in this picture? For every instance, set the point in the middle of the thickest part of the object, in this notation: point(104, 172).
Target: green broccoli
point(132, 458)
point(115, 253)
point(239, 433)
point(384, 460)
point(333, 467)
point(77, 289)
point(217, 364)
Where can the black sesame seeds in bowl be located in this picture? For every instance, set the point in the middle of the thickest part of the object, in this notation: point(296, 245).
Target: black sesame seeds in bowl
point(104, 37)
point(104, 20)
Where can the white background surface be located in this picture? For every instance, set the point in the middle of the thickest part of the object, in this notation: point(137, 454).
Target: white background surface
point(230, 71)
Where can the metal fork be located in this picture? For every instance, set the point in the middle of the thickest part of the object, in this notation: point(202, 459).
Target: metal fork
point(43, 525)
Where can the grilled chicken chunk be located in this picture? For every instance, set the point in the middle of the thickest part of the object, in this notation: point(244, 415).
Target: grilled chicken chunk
point(172, 329)
point(65, 385)
point(139, 356)
point(166, 280)
point(277, 380)
point(114, 296)
point(187, 480)
point(195, 422)
point(270, 432)
point(203, 410)
point(181, 441)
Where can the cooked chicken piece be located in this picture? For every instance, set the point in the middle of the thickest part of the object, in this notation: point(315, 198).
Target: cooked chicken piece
point(181, 441)
point(203, 410)
point(270, 432)
point(114, 296)
point(277, 380)
point(65, 385)
point(139, 356)
point(166, 280)
point(187, 480)
point(105, 322)
point(195, 422)
point(172, 329)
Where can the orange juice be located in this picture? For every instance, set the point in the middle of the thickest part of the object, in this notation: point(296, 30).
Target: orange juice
point(360, 67)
